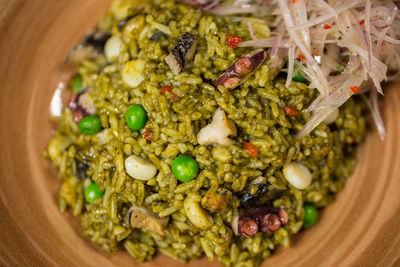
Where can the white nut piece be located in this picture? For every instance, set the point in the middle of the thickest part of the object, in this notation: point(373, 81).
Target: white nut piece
point(332, 117)
point(297, 175)
point(140, 168)
point(132, 72)
point(218, 131)
point(113, 48)
point(197, 215)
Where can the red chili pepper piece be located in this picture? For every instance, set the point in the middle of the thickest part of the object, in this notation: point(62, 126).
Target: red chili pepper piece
point(166, 88)
point(233, 41)
point(362, 22)
point(301, 57)
point(147, 134)
point(251, 149)
point(294, 1)
point(327, 26)
point(291, 111)
point(355, 89)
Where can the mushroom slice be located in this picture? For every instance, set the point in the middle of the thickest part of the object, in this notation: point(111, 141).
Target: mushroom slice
point(218, 131)
point(242, 69)
point(144, 218)
point(182, 53)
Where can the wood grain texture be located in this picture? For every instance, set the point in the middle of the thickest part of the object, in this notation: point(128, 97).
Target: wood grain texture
point(362, 228)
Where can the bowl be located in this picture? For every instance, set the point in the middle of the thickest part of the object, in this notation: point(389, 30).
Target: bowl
point(361, 228)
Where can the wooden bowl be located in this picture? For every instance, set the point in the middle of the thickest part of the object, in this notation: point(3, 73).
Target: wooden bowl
point(362, 227)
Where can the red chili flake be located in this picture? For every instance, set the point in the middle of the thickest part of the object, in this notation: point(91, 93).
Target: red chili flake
point(147, 134)
point(233, 41)
point(301, 57)
point(166, 88)
point(362, 22)
point(327, 26)
point(291, 111)
point(294, 1)
point(355, 89)
point(174, 96)
point(251, 149)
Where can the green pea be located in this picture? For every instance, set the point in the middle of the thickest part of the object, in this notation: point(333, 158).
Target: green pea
point(299, 78)
point(136, 117)
point(185, 168)
point(77, 84)
point(92, 192)
point(310, 215)
point(90, 125)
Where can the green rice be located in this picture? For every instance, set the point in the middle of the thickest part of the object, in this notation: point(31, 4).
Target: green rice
point(256, 108)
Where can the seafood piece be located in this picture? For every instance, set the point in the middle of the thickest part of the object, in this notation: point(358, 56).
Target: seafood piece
point(241, 69)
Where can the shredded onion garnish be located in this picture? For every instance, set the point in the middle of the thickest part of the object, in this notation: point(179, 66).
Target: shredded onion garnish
point(342, 47)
